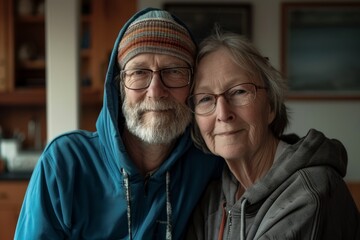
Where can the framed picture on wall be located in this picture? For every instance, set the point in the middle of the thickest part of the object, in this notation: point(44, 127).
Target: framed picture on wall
point(201, 18)
point(320, 49)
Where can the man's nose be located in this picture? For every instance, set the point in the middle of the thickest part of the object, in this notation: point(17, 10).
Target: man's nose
point(156, 88)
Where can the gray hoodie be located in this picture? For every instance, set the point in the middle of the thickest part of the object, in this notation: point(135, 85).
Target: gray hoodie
point(303, 196)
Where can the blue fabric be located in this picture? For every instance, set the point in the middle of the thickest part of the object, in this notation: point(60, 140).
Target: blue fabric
point(76, 190)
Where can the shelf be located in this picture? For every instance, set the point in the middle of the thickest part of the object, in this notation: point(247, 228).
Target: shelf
point(33, 64)
point(24, 97)
point(37, 97)
point(31, 19)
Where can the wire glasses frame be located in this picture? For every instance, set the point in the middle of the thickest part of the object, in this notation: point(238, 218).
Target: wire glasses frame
point(238, 95)
point(139, 79)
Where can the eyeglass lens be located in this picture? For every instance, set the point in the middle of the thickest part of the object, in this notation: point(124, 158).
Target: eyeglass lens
point(239, 95)
point(171, 77)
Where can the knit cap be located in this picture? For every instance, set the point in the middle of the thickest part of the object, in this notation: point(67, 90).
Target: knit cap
point(156, 32)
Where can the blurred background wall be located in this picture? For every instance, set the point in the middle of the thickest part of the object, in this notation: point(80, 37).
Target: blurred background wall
point(336, 118)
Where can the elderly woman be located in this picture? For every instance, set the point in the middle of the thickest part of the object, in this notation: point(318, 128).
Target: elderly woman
point(274, 186)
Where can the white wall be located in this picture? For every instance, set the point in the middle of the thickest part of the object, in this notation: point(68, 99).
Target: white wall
point(337, 119)
point(62, 61)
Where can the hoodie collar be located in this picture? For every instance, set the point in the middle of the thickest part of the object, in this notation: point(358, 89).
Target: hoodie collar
point(312, 150)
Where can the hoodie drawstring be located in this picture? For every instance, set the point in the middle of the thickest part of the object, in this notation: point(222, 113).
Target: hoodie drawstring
point(168, 204)
point(223, 222)
point(242, 220)
point(127, 193)
point(168, 208)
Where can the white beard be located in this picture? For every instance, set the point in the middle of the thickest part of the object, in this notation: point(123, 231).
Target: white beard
point(156, 127)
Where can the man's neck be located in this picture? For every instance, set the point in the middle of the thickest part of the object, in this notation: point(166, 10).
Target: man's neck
point(147, 157)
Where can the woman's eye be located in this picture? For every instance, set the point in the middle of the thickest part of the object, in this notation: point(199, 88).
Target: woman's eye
point(237, 92)
point(205, 99)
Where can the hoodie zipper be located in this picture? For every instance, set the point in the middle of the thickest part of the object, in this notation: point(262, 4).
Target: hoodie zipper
point(230, 224)
point(146, 184)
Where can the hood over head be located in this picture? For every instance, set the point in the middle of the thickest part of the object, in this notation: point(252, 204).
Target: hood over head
point(148, 31)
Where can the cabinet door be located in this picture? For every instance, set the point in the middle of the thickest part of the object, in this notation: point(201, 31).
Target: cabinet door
point(29, 40)
point(4, 45)
point(108, 18)
point(11, 198)
point(8, 220)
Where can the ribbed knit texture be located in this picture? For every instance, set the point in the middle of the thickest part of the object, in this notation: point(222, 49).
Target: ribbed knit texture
point(156, 32)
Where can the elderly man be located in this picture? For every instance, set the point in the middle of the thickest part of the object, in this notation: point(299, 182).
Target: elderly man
point(139, 175)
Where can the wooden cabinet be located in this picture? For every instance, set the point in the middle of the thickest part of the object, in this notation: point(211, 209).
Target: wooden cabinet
point(23, 63)
point(27, 38)
point(354, 188)
point(100, 25)
point(22, 80)
point(11, 198)
point(4, 46)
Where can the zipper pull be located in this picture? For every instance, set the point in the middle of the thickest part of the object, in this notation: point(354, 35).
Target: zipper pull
point(146, 184)
point(230, 224)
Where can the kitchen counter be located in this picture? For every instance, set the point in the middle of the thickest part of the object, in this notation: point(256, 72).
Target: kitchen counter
point(15, 176)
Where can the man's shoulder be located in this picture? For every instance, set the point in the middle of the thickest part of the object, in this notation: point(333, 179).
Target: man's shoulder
point(72, 138)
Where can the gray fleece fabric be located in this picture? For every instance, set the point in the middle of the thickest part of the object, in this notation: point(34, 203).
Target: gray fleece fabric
point(303, 196)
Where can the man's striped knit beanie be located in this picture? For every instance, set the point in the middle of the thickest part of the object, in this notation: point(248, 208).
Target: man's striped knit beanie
point(156, 32)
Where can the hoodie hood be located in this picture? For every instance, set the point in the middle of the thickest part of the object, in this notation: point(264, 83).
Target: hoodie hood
point(110, 122)
point(311, 151)
point(302, 196)
point(314, 151)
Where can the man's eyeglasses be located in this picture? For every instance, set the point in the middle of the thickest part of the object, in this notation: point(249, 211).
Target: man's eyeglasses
point(238, 95)
point(138, 79)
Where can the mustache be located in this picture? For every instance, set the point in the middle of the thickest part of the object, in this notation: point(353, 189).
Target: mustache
point(159, 105)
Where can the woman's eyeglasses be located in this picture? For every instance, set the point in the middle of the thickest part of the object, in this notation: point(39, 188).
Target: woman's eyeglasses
point(238, 95)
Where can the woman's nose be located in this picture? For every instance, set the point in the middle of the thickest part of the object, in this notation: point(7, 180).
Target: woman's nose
point(224, 110)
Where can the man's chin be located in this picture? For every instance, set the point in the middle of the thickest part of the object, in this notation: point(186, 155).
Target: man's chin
point(158, 115)
point(157, 131)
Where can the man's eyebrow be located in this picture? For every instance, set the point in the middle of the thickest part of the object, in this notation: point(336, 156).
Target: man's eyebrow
point(138, 65)
point(166, 65)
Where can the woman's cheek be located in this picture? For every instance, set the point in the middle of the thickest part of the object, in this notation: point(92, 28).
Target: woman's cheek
point(206, 127)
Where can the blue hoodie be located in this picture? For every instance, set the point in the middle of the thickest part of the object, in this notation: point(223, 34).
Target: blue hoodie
point(85, 186)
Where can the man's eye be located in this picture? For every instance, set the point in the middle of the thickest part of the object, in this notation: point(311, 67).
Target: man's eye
point(139, 72)
point(174, 72)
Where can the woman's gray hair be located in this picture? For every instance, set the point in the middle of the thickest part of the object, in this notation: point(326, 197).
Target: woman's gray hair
point(249, 59)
